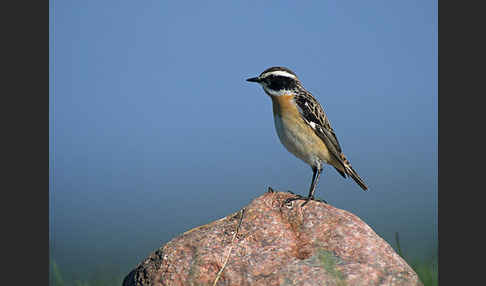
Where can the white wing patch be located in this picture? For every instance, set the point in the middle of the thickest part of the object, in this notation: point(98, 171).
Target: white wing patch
point(313, 125)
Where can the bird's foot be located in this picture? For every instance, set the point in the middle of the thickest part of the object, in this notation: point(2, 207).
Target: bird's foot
point(288, 201)
point(271, 190)
point(306, 199)
point(321, 200)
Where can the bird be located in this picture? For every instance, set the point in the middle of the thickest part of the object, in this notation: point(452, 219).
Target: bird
point(303, 127)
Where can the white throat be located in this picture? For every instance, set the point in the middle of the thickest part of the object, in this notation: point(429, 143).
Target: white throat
point(277, 92)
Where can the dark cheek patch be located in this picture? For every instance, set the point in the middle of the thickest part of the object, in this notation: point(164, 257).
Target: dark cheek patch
point(281, 82)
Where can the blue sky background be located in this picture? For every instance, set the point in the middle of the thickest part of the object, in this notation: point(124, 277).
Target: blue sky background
point(154, 130)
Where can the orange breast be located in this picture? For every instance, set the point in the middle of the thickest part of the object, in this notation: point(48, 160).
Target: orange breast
point(297, 136)
point(284, 105)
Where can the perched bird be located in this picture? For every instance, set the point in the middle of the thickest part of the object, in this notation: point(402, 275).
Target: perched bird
point(303, 127)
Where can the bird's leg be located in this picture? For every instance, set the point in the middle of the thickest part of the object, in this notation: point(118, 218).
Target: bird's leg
point(316, 173)
point(315, 178)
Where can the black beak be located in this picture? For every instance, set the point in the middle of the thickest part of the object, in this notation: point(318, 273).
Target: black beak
point(253, 79)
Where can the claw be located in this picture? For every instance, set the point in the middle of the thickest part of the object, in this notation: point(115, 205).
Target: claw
point(299, 197)
point(306, 201)
point(321, 200)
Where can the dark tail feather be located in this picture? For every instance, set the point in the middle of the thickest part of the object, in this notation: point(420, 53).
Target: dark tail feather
point(341, 172)
point(352, 173)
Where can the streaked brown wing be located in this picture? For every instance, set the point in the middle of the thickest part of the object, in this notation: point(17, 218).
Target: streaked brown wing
point(312, 113)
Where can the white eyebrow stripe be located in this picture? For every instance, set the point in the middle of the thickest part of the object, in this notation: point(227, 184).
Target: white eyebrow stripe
point(278, 73)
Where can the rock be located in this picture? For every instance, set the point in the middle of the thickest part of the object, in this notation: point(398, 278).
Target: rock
point(269, 243)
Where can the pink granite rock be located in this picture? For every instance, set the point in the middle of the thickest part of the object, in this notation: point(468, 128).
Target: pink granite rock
point(270, 243)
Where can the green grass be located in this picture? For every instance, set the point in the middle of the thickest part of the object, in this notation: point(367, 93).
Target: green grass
point(100, 278)
point(427, 270)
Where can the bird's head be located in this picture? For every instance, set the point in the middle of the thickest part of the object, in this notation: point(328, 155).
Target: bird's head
point(277, 81)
